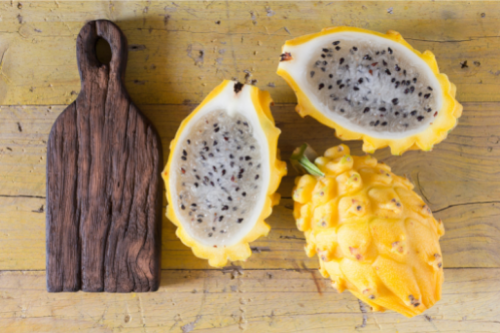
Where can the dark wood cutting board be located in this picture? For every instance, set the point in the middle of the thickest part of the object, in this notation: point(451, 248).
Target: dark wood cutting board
point(104, 161)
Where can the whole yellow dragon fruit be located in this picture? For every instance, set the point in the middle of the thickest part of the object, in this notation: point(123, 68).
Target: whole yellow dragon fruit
point(373, 235)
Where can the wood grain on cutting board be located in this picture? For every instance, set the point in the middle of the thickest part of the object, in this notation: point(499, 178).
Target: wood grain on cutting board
point(459, 179)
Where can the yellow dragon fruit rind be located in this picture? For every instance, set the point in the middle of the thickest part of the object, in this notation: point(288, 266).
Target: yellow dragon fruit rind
point(415, 211)
point(444, 122)
point(218, 257)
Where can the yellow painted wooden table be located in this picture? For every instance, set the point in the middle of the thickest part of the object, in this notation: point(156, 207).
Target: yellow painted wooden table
point(178, 52)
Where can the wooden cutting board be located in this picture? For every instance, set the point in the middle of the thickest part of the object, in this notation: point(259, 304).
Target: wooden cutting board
point(104, 160)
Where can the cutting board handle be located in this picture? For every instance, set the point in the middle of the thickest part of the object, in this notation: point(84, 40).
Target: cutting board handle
point(88, 64)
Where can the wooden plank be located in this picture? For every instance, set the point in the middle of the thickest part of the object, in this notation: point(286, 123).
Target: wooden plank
point(179, 51)
point(104, 186)
point(257, 301)
point(460, 180)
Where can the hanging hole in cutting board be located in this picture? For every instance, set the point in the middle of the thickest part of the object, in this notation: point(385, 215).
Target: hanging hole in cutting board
point(103, 51)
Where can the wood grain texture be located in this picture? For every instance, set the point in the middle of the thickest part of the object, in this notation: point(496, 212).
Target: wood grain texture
point(270, 301)
point(459, 179)
point(178, 51)
point(104, 161)
point(181, 50)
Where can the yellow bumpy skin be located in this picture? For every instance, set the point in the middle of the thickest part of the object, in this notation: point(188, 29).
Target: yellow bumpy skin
point(371, 86)
point(373, 235)
point(223, 172)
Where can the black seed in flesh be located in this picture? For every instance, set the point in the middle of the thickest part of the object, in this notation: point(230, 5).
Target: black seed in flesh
point(325, 50)
point(388, 72)
point(217, 129)
point(183, 158)
point(337, 48)
point(189, 142)
point(397, 68)
point(183, 207)
point(419, 94)
point(395, 101)
point(382, 109)
point(360, 80)
point(354, 48)
point(429, 88)
point(341, 86)
point(420, 118)
point(336, 42)
point(341, 61)
point(356, 88)
point(427, 96)
point(330, 76)
point(384, 63)
point(244, 194)
point(330, 87)
point(321, 85)
point(339, 82)
point(393, 79)
point(414, 112)
point(377, 122)
point(384, 123)
point(229, 198)
point(221, 218)
point(404, 72)
point(312, 73)
point(390, 50)
point(407, 90)
point(414, 80)
point(367, 109)
point(240, 220)
point(397, 84)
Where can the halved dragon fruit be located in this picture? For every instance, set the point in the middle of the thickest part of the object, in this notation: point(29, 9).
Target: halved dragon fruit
point(223, 172)
point(371, 86)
